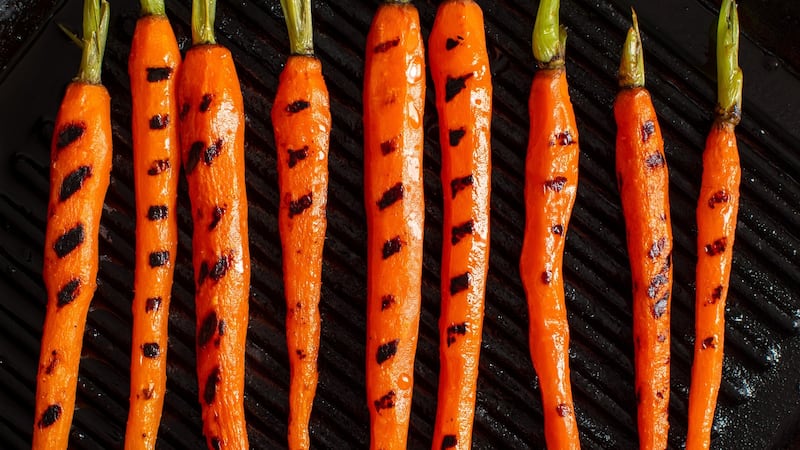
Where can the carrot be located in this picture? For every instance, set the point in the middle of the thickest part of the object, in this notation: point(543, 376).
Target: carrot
point(302, 121)
point(212, 147)
point(152, 66)
point(460, 68)
point(643, 182)
point(394, 93)
point(80, 170)
point(717, 208)
point(551, 182)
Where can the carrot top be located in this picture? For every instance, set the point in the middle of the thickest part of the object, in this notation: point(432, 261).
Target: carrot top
point(549, 38)
point(298, 21)
point(729, 74)
point(203, 13)
point(631, 66)
point(93, 43)
point(153, 8)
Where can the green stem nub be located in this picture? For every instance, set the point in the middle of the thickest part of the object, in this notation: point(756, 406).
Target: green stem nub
point(95, 32)
point(729, 74)
point(298, 21)
point(153, 8)
point(631, 66)
point(203, 13)
point(549, 39)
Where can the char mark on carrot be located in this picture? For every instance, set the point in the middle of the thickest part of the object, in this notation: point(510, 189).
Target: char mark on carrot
point(655, 160)
point(159, 258)
point(207, 329)
point(301, 204)
point(716, 247)
point(157, 212)
point(220, 267)
point(158, 166)
point(386, 351)
point(657, 248)
point(660, 307)
point(558, 229)
point(205, 102)
point(455, 330)
point(459, 184)
point(385, 402)
point(556, 184)
point(461, 231)
point(388, 146)
point(460, 283)
point(69, 241)
point(69, 133)
point(151, 350)
point(298, 155)
point(152, 304)
point(391, 196)
point(387, 301)
point(456, 135)
point(69, 292)
point(297, 106)
point(156, 74)
point(564, 138)
point(449, 441)
point(50, 416)
point(451, 43)
point(648, 128)
point(210, 390)
point(453, 86)
point(391, 247)
point(73, 182)
point(212, 152)
point(216, 216)
point(159, 121)
point(718, 197)
point(385, 46)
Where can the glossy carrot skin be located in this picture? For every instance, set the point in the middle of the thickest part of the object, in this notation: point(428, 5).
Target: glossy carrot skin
point(302, 121)
point(717, 208)
point(394, 92)
point(79, 172)
point(643, 182)
point(152, 66)
point(212, 147)
point(551, 182)
point(458, 57)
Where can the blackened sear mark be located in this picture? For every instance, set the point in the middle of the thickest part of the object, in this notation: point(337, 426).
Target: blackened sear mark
point(451, 43)
point(385, 402)
point(73, 182)
point(388, 146)
point(391, 196)
point(660, 395)
point(384, 46)
point(648, 128)
point(156, 74)
point(51, 366)
point(207, 329)
point(716, 294)
point(459, 184)
point(386, 351)
point(152, 304)
point(558, 229)
point(297, 106)
point(148, 392)
point(564, 138)
point(210, 391)
point(459, 283)
point(68, 293)
point(157, 212)
point(718, 197)
point(151, 350)
point(654, 160)
point(563, 410)
point(455, 85)
point(660, 307)
point(193, 156)
point(69, 133)
point(159, 258)
point(391, 247)
point(458, 329)
point(69, 241)
point(301, 204)
point(456, 135)
point(216, 216)
point(205, 102)
point(449, 441)
point(216, 444)
point(184, 111)
point(298, 155)
point(159, 121)
point(556, 184)
point(50, 416)
point(708, 342)
point(547, 277)
point(716, 247)
point(300, 354)
point(657, 248)
point(387, 301)
point(461, 231)
point(661, 338)
point(158, 166)
point(212, 151)
point(657, 281)
point(202, 273)
point(220, 267)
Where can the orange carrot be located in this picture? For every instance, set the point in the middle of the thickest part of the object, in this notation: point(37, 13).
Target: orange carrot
point(394, 93)
point(460, 69)
point(644, 188)
point(302, 121)
point(716, 226)
point(80, 170)
point(551, 182)
point(152, 66)
point(212, 147)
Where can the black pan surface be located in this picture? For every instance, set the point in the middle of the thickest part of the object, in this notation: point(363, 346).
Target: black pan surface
point(759, 405)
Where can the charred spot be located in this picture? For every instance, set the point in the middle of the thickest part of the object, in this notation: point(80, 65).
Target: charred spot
point(193, 156)
point(654, 160)
point(151, 350)
point(386, 351)
point(210, 390)
point(51, 366)
point(207, 329)
point(461, 231)
point(660, 307)
point(212, 151)
point(156, 74)
point(202, 273)
point(68, 293)
point(205, 102)
point(661, 338)
point(297, 106)
point(159, 121)
point(148, 392)
point(157, 212)
point(449, 440)
point(716, 247)
point(556, 184)
point(158, 166)
point(216, 216)
point(657, 281)
point(455, 85)
point(384, 46)
point(564, 138)
point(459, 184)
point(459, 283)
point(455, 135)
point(451, 43)
point(391, 196)
point(387, 301)
point(69, 241)
point(648, 128)
point(563, 410)
point(709, 342)
point(455, 330)
point(660, 395)
point(216, 444)
point(301, 204)
point(69, 133)
point(159, 258)
point(718, 197)
point(716, 294)
point(73, 182)
point(657, 248)
point(547, 277)
point(300, 354)
point(388, 146)
point(385, 402)
point(558, 229)
point(391, 247)
point(50, 416)
point(220, 267)
point(184, 111)
point(298, 155)
point(152, 304)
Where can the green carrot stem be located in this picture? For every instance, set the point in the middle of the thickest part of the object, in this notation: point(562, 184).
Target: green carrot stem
point(729, 74)
point(298, 22)
point(153, 8)
point(549, 38)
point(95, 33)
point(203, 13)
point(631, 66)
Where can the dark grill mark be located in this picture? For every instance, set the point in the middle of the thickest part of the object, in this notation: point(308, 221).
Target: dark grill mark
point(300, 354)
point(455, 85)
point(152, 304)
point(216, 444)
point(210, 391)
point(459, 184)
point(301, 204)
point(148, 393)
point(220, 267)
point(216, 216)
point(654, 160)
point(456, 135)
point(648, 128)
point(459, 283)
point(660, 308)
point(387, 301)
point(159, 122)
point(193, 156)
point(708, 342)
point(160, 258)
point(657, 281)
point(660, 395)
point(158, 166)
point(558, 229)
point(458, 329)
point(716, 247)
point(69, 241)
point(563, 410)
point(385, 402)
point(73, 182)
point(452, 43)
point(384, 47)
point(205, 102)
point(50, 416)
point(564, 138)
point(547, 277)
point(556, 184)
point(156, 74)
point(716, 294)
point(184, 111)
point(388, 146)
point(449, 441)
point(661, 338)
point(157, 212)
point(297, 106)
point(212, 152)
point(718, 197)
point(657, 248)
point(207, 329)
point(461, 231)
point(203, 273)
point(51, 366)
point(391, 196)
point(69, 133)
point(151, 350)
point(68, 292)
point(391, 247)
point(386, 351)
point(297, 155)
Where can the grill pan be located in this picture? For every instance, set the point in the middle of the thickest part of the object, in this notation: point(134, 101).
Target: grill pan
point(759, 404)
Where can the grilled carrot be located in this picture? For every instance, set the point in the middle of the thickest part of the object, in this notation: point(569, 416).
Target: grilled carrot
point(716, 226)
point(302, 121)
point(152, 66)
point(394, 93)
point(211, 124)
point(551, 182)
point(643, 183)
point(460, 68)
point(80, 170)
